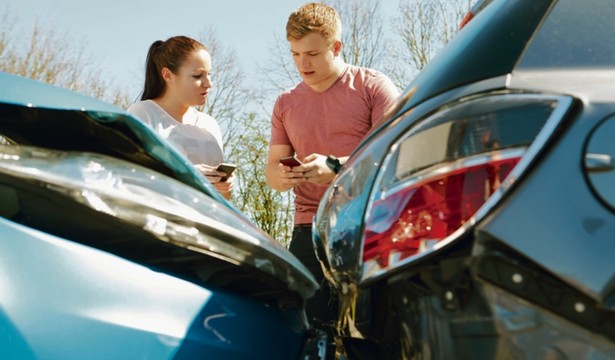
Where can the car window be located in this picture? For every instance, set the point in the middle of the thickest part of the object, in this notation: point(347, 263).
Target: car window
point(562, 43)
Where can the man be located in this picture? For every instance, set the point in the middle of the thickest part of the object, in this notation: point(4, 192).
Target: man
point(328, 113)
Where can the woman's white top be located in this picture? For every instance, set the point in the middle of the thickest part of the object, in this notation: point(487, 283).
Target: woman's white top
point(198, 137)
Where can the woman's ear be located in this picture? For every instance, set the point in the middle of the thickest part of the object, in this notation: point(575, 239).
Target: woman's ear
point(166, 74)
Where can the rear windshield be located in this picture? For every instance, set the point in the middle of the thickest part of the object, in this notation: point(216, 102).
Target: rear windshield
point(575, 34)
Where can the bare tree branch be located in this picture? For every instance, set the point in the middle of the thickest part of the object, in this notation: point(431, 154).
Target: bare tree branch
point(51, 57)
point(363, 39)
point(424, 27)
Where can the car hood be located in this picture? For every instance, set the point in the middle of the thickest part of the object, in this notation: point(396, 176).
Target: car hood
point(144, 216)
point(84, 170)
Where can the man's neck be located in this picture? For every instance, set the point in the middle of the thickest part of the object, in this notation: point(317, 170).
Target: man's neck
point(327, 83)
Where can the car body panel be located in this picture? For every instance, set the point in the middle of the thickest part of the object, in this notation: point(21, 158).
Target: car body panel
point(25, 92)
point(97, 191)
point(66, 300)
point(546, 241)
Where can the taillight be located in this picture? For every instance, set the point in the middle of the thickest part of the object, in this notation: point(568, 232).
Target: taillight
point(478, 6)
point(446, 168)
point(466, 19)
point(431, 210)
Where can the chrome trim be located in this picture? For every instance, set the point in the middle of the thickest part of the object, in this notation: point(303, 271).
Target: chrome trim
point(598, 162)
point(436, 170)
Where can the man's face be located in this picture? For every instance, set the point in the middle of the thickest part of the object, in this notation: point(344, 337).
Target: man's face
point(314, 60)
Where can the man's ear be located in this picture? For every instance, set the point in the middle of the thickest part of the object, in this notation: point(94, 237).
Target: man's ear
point(337, 47)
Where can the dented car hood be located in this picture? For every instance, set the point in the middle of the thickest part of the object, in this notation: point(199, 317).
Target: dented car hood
point(84, 170)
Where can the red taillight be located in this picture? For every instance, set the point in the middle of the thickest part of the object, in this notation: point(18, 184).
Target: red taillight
point(466, 19)
point(430, 210)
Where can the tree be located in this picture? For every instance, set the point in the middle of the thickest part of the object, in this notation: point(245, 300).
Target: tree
point(363, 39)
point(424, 27)
point(268, 208)
point(51, 58)
point(278, 73)
point(245, 125)
point(227, 100)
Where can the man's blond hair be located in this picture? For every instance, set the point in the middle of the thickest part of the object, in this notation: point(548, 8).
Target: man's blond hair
point(314, 17)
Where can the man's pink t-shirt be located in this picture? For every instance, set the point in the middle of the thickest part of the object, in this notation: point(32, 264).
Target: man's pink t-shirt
point(329, 123)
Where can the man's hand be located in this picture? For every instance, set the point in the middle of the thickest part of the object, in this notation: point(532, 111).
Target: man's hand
point(290, 176)
point(315, 169)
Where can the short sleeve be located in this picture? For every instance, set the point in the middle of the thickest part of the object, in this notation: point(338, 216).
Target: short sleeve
point(279, 135)
point(384, 95)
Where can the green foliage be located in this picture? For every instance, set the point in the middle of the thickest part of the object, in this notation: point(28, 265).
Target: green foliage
point(269, 209)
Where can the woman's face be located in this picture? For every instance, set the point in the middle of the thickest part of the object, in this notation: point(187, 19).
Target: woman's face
point(193, 80)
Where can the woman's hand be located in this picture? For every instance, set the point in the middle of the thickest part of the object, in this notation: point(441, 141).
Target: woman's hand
point(215, 177)
point(210, 172)
point(225, 187)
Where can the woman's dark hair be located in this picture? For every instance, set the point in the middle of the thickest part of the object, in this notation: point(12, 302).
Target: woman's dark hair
point(170, 54)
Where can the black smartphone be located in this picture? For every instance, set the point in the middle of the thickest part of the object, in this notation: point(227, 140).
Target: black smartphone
point(226, 168)
point(291, 161)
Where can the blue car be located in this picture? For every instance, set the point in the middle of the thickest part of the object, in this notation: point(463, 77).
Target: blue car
point(113, 246)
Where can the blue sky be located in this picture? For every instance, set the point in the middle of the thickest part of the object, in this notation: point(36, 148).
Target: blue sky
point(117, 33)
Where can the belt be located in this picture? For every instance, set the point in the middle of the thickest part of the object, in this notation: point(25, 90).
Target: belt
point(302, 227)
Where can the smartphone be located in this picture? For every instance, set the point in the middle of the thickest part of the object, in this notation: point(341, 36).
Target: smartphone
point(291, 161)
point(226, 168)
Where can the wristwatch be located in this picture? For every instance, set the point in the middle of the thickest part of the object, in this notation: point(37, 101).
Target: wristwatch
point(334, 164)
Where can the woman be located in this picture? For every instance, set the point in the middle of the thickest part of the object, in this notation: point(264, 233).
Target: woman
point(177, 78)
